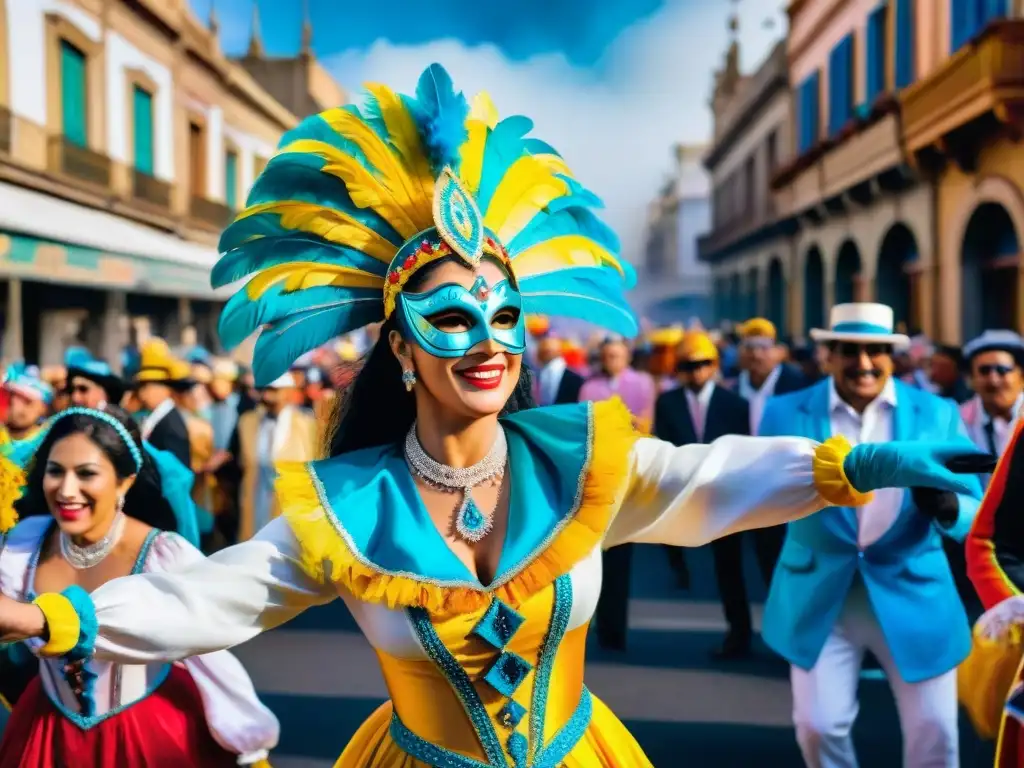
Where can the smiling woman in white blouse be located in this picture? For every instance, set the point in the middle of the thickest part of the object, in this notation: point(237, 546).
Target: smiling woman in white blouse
point(92, 512)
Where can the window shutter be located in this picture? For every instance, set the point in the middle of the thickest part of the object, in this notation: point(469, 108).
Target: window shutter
point(73, 94)
point(904, 43)
point(142, 109)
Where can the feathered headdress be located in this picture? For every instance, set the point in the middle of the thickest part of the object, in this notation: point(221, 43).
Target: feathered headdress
point(356, 200)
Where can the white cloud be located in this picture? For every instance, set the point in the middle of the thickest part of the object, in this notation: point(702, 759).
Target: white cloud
point(616, 132)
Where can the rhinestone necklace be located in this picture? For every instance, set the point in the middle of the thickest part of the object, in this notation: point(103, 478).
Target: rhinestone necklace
point(471, 523)
point(82, 558)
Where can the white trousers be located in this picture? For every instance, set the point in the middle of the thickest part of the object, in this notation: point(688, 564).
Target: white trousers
point(825, 697)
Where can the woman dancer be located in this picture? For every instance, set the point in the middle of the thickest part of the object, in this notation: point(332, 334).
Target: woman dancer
point(462, 528)
point(93, 511)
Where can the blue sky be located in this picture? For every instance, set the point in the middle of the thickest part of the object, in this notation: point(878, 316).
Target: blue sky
point(612, 83)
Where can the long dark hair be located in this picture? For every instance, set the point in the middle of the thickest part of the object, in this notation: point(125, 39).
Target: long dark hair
point(145, 499)
point(376, 410)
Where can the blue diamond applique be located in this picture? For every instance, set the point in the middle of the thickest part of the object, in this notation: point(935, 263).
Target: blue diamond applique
point(511, 714)
point(498, 624)
point(507, 672)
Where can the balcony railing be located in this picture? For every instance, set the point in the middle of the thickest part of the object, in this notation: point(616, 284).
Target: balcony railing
point(984, 77)
point(78, 162)
point(150, 190)
point(6, 129)
point(209, 212)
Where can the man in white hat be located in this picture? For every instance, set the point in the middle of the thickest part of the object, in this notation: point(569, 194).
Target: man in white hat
point(874, 578)
point(274, 431)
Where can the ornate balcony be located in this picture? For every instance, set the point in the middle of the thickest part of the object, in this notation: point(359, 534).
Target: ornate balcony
point(78, 162)
point(150, 190)
point(980, 85)
point(210, 213)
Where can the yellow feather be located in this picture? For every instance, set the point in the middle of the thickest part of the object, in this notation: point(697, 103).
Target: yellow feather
point(405, 138)
point(560, 253)
point(309, 274)
point(363, 187)
point(393, 173)
point(332, 225)
point(482, 108)
point(525, 190)
point(472, 152)
point(554, 163)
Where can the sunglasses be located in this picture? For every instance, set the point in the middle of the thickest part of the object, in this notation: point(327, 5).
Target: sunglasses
point(849, 349)
point(689, 366)
point(998, 370)
point(758, 343)
point(77, 389)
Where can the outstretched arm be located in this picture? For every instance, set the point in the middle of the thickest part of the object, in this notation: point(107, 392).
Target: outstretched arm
point(216, 603)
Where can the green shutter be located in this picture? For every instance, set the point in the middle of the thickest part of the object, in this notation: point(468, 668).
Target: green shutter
point(73, 94)
point(142, 106)
point(231, 180)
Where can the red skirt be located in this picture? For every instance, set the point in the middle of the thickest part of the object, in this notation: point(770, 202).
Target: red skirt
point(167, 729)
point(1011, 744)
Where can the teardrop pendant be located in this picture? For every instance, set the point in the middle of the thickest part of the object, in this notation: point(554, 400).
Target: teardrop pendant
point(470, 522)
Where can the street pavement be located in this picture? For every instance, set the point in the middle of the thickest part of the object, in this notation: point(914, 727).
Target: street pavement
point(322, 680)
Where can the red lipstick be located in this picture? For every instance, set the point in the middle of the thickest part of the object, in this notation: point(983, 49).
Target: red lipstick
point(483, 376)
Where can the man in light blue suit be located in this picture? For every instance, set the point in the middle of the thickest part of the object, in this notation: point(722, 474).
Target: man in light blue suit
point(874, 578)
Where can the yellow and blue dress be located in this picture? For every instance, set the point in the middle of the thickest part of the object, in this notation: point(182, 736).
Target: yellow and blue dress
point(478, 675)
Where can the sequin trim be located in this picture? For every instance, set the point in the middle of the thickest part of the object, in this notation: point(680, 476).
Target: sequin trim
point(464, 689)
point(560, 613)
point(553, 756)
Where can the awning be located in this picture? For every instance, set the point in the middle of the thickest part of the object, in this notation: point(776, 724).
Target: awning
point(53, 240)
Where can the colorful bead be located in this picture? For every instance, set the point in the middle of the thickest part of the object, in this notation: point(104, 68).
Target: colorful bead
point(394, 277)
point(409, 263)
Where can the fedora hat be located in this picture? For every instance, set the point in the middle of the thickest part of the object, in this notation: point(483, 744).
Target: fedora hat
point(861, 322)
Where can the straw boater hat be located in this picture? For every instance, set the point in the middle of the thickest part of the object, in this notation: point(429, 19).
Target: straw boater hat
point(862, 323)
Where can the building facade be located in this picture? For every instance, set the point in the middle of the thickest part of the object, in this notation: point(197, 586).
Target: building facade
point(749, 246)
point(963, 121)
point(127, 142)
point(673, 285)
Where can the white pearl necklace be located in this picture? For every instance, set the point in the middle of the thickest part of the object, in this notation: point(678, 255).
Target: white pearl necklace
point(91, 555)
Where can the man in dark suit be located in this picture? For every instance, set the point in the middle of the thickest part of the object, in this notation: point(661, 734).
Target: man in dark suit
point(555, 382)
point(764, 375)
point(701, 411)
point(161, 423)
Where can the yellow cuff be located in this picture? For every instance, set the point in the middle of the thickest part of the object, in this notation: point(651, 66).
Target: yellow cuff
point(62, 622)
point(830, 478)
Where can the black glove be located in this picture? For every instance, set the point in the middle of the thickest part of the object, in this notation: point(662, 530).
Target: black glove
point(942, 506)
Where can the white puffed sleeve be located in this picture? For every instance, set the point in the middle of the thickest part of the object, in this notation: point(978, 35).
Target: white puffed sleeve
point(690, 495)
point(215, 603)
point(236, 717)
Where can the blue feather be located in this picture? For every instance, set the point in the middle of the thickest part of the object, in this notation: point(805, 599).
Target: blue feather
point(538, 147)
point(440, 115)
point(269, 252)
point(505, 144)
point(593, 294)
point(280, 345)
point(577, 190)
point(571, 221)
point(242, 316)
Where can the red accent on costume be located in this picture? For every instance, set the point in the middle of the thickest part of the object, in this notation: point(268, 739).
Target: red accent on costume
point(987, 575)
point(165, 730)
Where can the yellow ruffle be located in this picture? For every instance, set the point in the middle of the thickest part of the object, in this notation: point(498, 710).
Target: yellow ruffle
point(326, 555)
point(62, 622)
point(830, 478)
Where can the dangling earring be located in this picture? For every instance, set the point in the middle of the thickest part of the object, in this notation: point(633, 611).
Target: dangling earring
point(120, 504)
point(409, 379)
